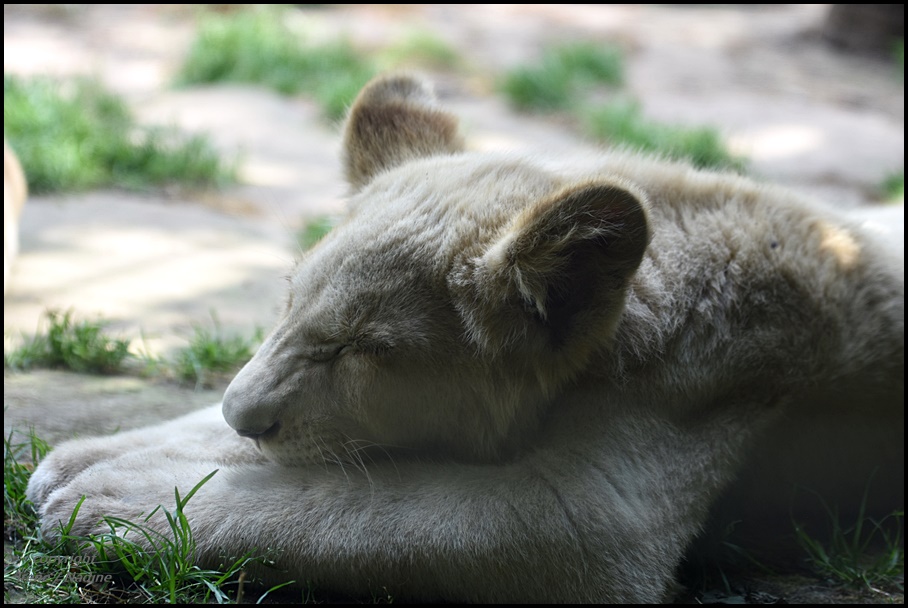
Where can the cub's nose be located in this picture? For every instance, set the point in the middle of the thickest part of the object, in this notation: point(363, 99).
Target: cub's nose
point(256, 435)
point(249, 407)
point(249, 418)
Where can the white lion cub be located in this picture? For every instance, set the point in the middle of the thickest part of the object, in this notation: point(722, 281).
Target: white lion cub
point(526, 379)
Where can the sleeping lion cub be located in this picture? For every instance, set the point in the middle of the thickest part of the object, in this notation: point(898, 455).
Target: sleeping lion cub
point(527, 379)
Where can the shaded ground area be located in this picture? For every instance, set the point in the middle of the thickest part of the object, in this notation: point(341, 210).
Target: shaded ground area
point(828, 124)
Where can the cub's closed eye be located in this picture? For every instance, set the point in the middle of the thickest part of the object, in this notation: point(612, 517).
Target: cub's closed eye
point(326, 352)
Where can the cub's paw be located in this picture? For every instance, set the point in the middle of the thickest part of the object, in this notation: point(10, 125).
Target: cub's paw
point(69, 460)
point(197, 437)
point(127, 488)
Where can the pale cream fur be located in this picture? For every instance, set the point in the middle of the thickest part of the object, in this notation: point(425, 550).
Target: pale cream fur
point(522, 379)
point(15, 190)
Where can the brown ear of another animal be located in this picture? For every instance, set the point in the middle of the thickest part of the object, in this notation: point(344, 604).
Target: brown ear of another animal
point(15, 190)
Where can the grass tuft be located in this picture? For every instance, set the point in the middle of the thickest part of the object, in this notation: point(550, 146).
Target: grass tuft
point(893, 187)
point(564, 80)
point(130, 564)
point(537, 89)
point(19, 460)
point(898, 54)
point(211, 354)
point(161, 566)
point(81, 346)
point(622, 123)
point(421, 49)
point(77, 136)
point(563, 76)
point(314, 230)
point(591, 63)
point(867, 553)
point(257, 46)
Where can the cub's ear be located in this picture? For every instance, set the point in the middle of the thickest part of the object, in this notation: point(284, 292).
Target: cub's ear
point(558, 276)
point(395, 119)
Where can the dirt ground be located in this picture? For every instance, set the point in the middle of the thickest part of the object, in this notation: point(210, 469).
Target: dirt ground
point(828, 124)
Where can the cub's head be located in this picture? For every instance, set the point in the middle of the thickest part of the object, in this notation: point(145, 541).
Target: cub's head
point(443, 316)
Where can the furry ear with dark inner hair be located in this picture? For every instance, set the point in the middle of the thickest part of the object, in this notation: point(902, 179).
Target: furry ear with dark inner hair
point(559, 273)
point(394, 120)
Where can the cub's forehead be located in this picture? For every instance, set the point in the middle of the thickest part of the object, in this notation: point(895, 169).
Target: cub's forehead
point(459, 192)
point(410, 225)
point(366, 261)
point(345, 290)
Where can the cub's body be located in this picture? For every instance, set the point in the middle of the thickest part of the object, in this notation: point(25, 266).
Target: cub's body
point(518, 379)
